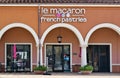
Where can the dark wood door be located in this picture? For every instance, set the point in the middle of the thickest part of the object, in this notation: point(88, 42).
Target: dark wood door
point(99, 57)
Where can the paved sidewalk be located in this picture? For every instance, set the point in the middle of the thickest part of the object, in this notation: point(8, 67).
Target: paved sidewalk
point(59, 75)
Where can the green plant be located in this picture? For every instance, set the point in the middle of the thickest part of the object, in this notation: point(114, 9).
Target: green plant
point(86, 68)
point(41, 68)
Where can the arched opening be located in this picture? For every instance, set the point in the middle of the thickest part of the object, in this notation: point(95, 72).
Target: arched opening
point(103, 45)
point(71, 39)
point(21, 25)
point(64, 25)
point(22, 37)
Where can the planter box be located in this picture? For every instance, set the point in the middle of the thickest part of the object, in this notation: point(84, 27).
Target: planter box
point(86, 72)
point(39, 72)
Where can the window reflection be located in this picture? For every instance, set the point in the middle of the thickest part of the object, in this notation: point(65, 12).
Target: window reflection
point(22, 60)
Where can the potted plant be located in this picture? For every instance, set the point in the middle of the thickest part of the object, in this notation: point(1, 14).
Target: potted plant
point(40, 69)
point(87, 69)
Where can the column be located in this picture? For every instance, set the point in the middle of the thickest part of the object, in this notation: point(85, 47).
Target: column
point(39, 55)
point(41, 58)
point(83, 55)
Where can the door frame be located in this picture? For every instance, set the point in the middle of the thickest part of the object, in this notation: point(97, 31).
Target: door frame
point(21, 44)
point(110, 51)
point(70, 44)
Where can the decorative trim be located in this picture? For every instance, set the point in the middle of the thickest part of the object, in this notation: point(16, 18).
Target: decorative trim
point(82, 5)
point(103, 25)
point(76, 64)
point(63, 4)
point(21, 25)
point(64, 25)
point(110, 51)
point(99, 43)
point(115, 64)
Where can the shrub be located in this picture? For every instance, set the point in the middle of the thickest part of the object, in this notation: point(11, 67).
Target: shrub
point(82, 68)
point(86, 68)
point(41, 68)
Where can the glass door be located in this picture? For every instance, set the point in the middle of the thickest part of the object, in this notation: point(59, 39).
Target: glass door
point(66, 54)
point(58, 58)
point(49, 58)
point(18, 57)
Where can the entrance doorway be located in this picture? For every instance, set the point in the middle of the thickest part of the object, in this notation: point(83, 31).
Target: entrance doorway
point(18, 57)
point(99, 57)
point(58, 58)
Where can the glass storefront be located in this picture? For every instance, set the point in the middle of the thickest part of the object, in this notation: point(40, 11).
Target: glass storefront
point(58, 58)
point(18, 57)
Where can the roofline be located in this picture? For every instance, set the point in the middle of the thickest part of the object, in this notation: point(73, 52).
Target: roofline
point(65, 4)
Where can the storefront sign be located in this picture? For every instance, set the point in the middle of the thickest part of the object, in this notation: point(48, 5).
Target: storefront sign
point(63, 15)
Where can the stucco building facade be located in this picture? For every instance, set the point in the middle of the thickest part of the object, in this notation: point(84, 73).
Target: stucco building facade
point(90, 35)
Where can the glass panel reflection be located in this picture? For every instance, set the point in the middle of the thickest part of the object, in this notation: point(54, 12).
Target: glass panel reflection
point(57, 58)
point(19, 60)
